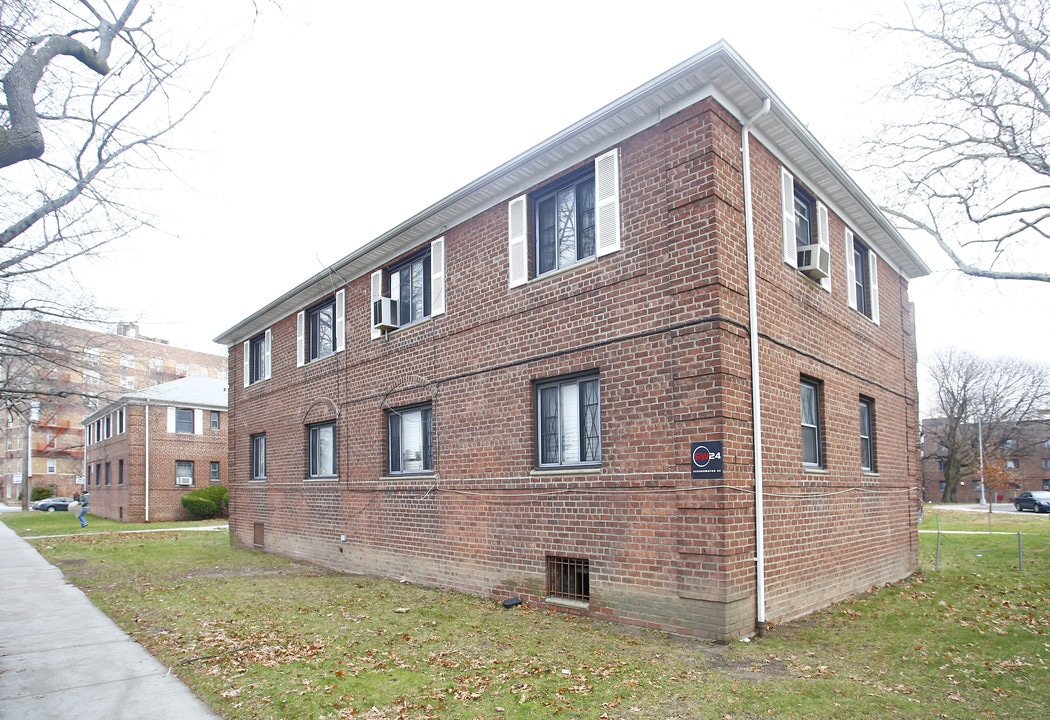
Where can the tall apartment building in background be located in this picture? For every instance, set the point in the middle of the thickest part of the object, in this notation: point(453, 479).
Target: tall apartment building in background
point(568, 382)
point(81, 370)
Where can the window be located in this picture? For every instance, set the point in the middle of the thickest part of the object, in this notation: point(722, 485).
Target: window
point(156, 365)
point(120, 472)
point(941, 464)
point(322, 450)
point(127, 382)
point(805, 224)
point(1010, 444)
point(573, 219)
point(52, 465)
point(410, 437)
point(811, 450)
point(569, 422)
point(214, 471)
point(98, 473)
point(568, 578)
point(184, 472)
point(564, 217)
point(257, 358)
point(183, 420)
point(214, 419)
point(259, 457)
point(416, 285)
point(862, 277)
point(92, 377)
point(1046, 463)
point(1012, 464)
point(321, 330)
point(867, 438)
point(92, 356)
point(127, 360)
point(182, 369)
point(120, 421)
point(109, 474)
point(107, 423)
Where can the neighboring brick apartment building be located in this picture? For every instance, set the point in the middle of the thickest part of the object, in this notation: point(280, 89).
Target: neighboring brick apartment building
point(149, 448)
point(92, 368)
point(1024, 456)
point(503, 394)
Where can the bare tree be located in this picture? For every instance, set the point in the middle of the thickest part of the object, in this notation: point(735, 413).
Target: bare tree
point(967, 161)
point(1006, 395)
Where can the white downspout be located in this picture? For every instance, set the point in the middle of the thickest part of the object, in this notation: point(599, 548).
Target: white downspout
point(756, 405)
point(147, 459)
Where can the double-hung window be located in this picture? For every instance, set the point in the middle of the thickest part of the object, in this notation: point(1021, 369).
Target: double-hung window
point(806, 242)
point(184, 420)
point(867, 437)
point(183, 472)
point(321, 330)
point(410, 437)
point(862, 277)
point(569, 422)
point(257, 358)
point(259, 457)
point(811, 441)
point(322, 450)
point(414, 288)
point(569, 221)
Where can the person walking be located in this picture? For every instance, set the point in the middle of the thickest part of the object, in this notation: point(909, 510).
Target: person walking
point(79, 511)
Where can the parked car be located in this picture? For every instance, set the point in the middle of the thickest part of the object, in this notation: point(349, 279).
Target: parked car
point(1036, 500)
point(53, 504)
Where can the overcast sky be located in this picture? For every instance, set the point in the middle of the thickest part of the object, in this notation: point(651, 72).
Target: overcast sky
point(337, 121)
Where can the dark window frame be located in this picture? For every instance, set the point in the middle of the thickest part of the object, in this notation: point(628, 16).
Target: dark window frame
point(258, 456)
point(181, 422)
point(811, 423)
point(406, 289)
point(547, 227)
point(551, 419)
point(868, 461)
point(314, 443)
point(396, 460)
point(322, 315)
point(257, 359)
point(805, 217)
point(862, 276)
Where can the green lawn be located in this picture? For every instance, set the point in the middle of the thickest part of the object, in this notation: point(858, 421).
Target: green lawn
point(258, 636)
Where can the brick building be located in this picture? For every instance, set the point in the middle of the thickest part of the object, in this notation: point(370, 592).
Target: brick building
point(149, 448)
point(503, 394)
point(1022, 453)
point(78, 370)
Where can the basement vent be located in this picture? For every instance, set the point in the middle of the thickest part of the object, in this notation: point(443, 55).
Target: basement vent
point(568, 579)
point(258, 534)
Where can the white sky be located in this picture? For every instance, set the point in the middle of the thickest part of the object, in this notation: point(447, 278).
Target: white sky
point(334, 124)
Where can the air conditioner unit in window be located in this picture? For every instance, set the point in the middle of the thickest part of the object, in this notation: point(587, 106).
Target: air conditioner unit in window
point(183, 481)
point(814, 261)
point(384, 314)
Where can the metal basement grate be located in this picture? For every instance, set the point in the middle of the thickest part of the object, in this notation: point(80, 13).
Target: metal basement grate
point(568, 578)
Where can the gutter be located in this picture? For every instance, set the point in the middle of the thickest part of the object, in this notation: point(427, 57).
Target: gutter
point(147, 459)
point(756, 404)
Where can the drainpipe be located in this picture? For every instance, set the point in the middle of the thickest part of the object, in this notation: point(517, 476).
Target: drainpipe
point(756, 405)
point(147, 459)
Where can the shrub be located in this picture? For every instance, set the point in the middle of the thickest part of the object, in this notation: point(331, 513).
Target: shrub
point(41, 492)
point(207, 502)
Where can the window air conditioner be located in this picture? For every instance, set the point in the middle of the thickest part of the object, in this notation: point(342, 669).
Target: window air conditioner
point(814, 261)
point(183, 481)
point(384, 314)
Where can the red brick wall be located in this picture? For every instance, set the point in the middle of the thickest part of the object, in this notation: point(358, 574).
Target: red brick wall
point(128, 501)
point(664, 323)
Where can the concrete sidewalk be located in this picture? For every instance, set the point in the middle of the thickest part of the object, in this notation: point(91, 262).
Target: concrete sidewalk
point(61, 657)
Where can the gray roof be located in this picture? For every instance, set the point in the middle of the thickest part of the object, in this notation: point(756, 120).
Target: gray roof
point(717, 72)
point(195, 392)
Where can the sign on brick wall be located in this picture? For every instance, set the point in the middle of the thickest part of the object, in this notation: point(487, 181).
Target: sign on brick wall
point(706, 460)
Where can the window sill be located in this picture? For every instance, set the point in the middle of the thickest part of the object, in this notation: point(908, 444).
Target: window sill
point(408, 476)
point(565, 602)
point(562, 471)
point(398, 330)
point(321, 479)
point(561, 271)
point(816, 471)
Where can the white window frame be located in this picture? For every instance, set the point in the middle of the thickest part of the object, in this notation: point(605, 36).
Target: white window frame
point(319, 466)
point(258, 456)
point(872, 284)
point(811, 422)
